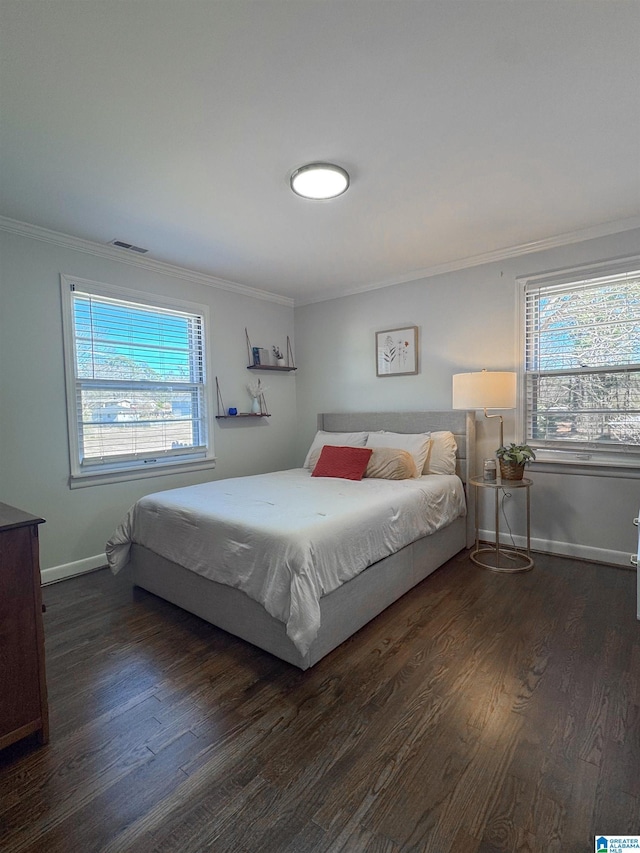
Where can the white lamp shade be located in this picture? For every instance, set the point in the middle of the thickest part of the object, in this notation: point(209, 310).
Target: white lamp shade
point(486, 389)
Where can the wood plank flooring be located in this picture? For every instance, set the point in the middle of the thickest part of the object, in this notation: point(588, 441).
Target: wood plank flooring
point(480, 713)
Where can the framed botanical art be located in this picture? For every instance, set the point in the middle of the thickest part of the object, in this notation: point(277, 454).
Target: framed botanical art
point(397, 351)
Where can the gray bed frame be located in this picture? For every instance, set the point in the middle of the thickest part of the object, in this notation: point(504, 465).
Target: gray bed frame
point(345, 610)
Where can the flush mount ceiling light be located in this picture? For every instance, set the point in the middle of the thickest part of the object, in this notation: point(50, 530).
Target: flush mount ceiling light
point(319, 180)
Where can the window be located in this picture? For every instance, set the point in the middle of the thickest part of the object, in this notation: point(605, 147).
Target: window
point(582, 368)
point(136, 382)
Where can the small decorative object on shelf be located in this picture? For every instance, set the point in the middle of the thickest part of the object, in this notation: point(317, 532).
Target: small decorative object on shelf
point(513, 459)
point(259, 358)
point(277, 354)
point(256, 391)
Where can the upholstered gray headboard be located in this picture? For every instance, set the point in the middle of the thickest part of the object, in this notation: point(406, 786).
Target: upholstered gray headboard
point(461, 423)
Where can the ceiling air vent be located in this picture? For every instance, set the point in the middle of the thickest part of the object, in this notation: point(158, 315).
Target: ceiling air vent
point(120, 244)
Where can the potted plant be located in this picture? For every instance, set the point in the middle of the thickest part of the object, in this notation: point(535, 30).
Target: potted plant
point(278, 356)
point(513, 459)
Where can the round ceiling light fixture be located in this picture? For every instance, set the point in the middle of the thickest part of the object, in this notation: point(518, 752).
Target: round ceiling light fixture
point(319, 181)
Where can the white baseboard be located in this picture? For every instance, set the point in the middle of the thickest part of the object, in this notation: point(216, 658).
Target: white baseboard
point(564, 549)
point(70, 570)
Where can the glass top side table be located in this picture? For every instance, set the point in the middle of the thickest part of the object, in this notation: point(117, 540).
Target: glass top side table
point(495, 556)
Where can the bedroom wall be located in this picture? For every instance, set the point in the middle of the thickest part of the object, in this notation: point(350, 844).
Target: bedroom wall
point(34, 456)
point(467, 321)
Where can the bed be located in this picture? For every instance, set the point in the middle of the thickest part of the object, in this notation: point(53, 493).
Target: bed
point(176, 564)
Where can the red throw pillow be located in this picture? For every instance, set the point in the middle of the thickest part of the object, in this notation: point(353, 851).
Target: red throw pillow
point(348, 463)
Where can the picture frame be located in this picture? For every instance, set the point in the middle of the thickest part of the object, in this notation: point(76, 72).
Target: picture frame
point(397, 351)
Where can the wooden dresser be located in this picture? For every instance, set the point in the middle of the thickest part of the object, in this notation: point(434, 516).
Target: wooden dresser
point(23, 687)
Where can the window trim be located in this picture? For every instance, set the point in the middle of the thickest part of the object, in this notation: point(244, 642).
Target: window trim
point(591, 460)
point(136, 469)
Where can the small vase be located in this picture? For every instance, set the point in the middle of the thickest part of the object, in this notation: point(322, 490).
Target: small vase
point(255, 406)
point(281, 362)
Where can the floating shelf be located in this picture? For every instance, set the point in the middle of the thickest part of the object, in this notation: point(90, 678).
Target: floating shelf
point(270, 367)
point(241, 415)
point(285, 368)
point(264, 413)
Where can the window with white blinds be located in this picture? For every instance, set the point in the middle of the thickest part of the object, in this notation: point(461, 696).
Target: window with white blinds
point(136, 380)
point(582, 367)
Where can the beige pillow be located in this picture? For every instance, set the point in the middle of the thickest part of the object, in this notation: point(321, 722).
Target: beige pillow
point(442, 454)
point(417, 444)
point(389, 463)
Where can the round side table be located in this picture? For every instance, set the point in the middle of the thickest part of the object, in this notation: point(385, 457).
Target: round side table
point(495, 556)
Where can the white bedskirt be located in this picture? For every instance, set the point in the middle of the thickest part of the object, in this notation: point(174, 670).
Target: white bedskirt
point(286, 538)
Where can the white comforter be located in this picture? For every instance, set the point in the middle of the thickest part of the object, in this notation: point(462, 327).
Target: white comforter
point(286, 538)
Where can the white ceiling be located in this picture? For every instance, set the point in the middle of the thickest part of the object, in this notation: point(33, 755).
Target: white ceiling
point(467, 126)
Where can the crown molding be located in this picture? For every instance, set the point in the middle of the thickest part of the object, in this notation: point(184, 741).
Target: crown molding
point(603, 230)
point(77, 244)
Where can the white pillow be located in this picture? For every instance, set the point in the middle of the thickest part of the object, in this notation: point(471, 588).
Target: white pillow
point(416, 443)
point(442, 454)
point(345, 439)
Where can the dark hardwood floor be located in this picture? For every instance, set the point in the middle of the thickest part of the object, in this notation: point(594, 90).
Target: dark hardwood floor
point(480, 713)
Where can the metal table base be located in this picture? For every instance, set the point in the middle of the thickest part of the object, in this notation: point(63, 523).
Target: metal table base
point(494, 556)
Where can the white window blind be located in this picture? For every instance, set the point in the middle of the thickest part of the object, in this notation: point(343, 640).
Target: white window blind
point(582, 366)
point(138, 382)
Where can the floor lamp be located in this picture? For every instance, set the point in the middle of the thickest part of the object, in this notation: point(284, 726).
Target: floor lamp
point(486, 389)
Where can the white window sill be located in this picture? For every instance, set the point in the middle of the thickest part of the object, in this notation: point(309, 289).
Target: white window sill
point(81, 481)
point(585, 463)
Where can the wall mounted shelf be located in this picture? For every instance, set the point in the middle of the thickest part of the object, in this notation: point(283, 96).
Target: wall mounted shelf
point(221, 416)
point(253, 354)
point(241, 415)
point(270, 367)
